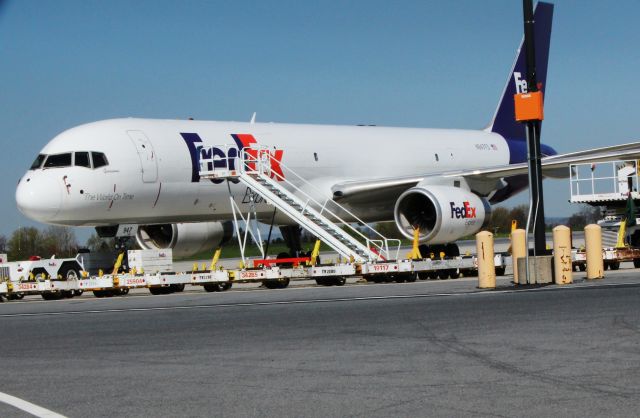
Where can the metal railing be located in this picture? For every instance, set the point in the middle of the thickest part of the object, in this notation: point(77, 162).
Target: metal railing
point(225, 160)
point(612, 180)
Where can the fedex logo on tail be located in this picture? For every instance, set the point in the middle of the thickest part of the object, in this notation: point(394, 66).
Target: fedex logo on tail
point(521, 83)
point(197, 150)
point(462, 212)
point(522, 87)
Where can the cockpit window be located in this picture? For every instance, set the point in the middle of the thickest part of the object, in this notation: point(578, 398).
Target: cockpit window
point(82, 159)
point(99, 159)
point(38, 162)
point(58, 160)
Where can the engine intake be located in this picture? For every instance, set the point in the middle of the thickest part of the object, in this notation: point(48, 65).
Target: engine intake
point(442, 213)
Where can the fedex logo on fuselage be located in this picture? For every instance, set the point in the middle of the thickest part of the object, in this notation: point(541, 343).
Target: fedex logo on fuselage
point(198, 150)
point(462, 212)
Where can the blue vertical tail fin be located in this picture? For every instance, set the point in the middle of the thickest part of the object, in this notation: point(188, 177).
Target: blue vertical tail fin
point(503, 122)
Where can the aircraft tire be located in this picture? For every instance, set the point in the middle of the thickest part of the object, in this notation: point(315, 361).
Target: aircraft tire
point(284, 255)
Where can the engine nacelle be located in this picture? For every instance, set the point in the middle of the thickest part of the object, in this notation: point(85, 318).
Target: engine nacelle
point(443, 213)
point(184, 239)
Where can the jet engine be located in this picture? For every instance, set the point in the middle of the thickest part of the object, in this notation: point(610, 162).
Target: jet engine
point(184, 239)
point(443, 213)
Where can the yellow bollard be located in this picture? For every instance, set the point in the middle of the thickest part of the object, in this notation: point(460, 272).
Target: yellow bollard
point(593, 243)
point(562, 255)
point(486, 264)
point(518, 250)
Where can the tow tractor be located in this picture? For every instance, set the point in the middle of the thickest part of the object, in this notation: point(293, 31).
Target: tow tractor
point(23, 275)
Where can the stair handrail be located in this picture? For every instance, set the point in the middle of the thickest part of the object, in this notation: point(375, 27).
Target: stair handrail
point(257, 159)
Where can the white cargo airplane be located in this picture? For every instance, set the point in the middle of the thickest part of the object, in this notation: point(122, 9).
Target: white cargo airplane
point(145, 171)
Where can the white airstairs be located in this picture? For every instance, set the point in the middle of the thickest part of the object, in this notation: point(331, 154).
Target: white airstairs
point(257, 168)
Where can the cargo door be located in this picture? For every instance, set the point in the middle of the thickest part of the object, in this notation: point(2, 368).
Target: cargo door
point(147, 155)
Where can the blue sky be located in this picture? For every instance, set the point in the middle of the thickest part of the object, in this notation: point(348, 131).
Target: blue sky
point(401, 63)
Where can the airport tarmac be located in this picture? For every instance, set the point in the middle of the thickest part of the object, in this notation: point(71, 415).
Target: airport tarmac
point(430, 348)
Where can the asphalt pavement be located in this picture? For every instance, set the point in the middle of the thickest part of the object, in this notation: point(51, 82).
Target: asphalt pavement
point(430, 348)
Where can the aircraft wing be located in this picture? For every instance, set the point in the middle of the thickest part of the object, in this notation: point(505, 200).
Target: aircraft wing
point(481, 180)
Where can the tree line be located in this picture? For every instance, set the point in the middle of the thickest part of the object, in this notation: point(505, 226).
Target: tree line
point(28, 241)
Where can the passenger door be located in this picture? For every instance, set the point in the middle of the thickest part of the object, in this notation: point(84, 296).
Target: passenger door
point(147, 155)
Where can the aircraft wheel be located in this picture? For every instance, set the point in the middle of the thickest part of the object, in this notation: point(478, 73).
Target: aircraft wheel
point(284, 265)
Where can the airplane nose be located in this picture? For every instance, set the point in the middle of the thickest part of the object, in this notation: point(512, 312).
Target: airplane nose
point(39, 198)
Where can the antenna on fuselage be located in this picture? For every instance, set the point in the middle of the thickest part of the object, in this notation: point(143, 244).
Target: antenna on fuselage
point(253, 118)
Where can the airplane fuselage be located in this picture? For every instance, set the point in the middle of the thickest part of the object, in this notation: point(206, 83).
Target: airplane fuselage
point(151, 172)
